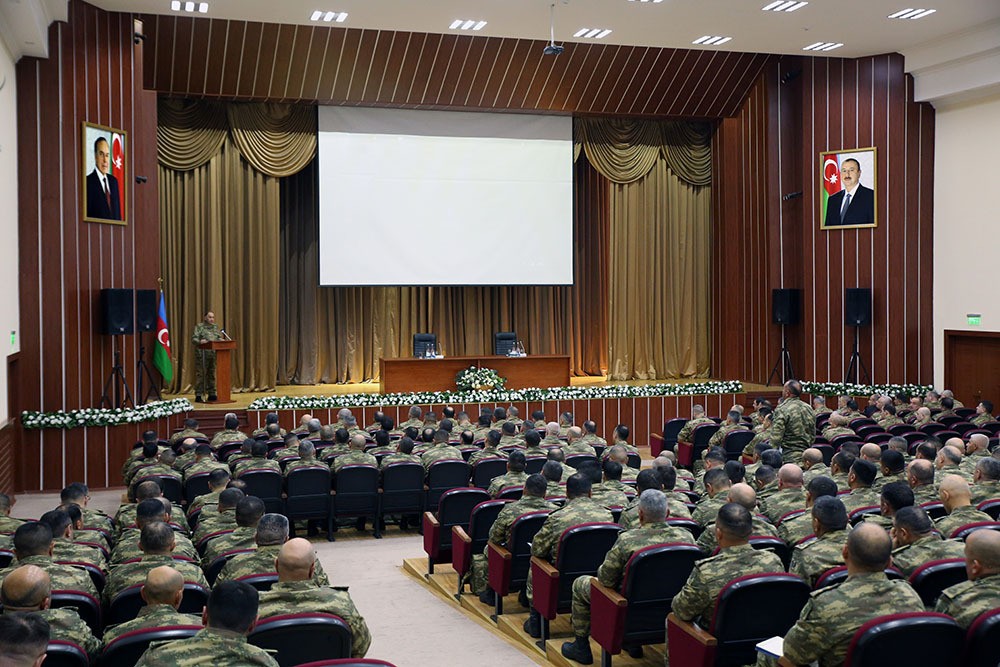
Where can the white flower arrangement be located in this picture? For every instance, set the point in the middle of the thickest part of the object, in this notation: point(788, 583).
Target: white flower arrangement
point(850, 389)
point(532, 394)
point(473, 378)
point(104, 416)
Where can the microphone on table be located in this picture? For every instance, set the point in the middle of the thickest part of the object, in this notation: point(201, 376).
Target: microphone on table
point(223, 331)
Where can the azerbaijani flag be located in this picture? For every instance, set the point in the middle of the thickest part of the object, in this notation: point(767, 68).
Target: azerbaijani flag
point(831, 179)
point(161, 353)
point(118, 167)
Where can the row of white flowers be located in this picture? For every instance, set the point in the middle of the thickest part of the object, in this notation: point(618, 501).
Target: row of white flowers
point(104, 416)
point(472, 378)
point(495, 396)
point(849, 389)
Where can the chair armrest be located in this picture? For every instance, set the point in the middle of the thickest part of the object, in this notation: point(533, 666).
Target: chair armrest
point(685, 453)
point(461, 550)
point(688, 644)
point(545, 588)
point(432, 535)
point(655, 444)
point(608, 609)
point(500, 562)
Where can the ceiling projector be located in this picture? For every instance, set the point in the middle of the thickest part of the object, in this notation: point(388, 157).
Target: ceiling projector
point(553, 50)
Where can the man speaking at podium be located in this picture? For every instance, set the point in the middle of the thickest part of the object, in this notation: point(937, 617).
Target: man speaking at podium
point(205, 331)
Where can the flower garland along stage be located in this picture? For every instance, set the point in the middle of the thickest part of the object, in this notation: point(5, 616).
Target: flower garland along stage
point(495, 396)
point(473, 378)
point(842, 389)
point(103, 416)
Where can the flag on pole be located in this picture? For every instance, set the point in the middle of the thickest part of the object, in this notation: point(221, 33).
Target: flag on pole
point(118, 165)
point(161, 353)
point(831, 180)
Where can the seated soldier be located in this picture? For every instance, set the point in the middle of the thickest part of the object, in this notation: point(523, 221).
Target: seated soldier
point(717, 485)
point(819, 405)
point(579, 508)
point(8, 524)
point(164, 467)
point(403, 454)
point(837, 426)
point(296, 592)
point(565, 423)
point(272, 532)
point(489, 450)
point(269, 418)
point(652, 529)
point(141, 458)
point(949, 461)
point(552, 438)
point(790, 495)
point(27, 590)
point(149, 511)
point(533, 443)
point(249, 511)
point(754, 451)
point(860, 479)
point(794, 529)
point(956, 497)
point(229, 617)
point(669, 475)
point(765, 480)
point(552, 472)
point(609, 491)
point(24, 640)
point(230, 433)
point(515, 475)
point(440, 451)
point(733, 423)
point(619, 454)
point(383, 444)
point(203, 461)
point(64, 549)
point(743, 495)
point(125, 518)
point(190, 430)
point(986, 480)
point(258, 460)
point(77, 493)
point(556, 454)
point(813, 465)
point(697, 419)
point(651, 479)
point(33, 545)
point(984, 413)
point(813, 558)
point(574, 443)
point(828, 622)
point(218, 480)
point(591, 438)
point(920, 476)
point(307, 458)
point(532, 500)
point(968, 600)
point(508, 436)
point(892, 468)
point(88, 538)
point(220, 518)
point(714, 457)
point(894, 497)
point(162, 592)
point(915, 542)
point(157, 541)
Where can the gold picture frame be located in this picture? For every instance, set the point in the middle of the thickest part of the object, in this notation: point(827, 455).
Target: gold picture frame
point(859, 168)
point(104, 171)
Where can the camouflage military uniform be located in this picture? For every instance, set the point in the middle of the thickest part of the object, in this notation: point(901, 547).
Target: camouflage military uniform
point(210, 647)
point(205, 465)
point(863, 496)
point(261, 464)
point(228, 435)
point(825, 410)
point(924, 550)
point(133, 467)
point(783, 502)
point(833, 614)
point(987, 490)
point(959, 517)
point(724, 430)
point(508, 441)
point(486, 453)
point(831, 432)
point(243, 537)
point(985, 418)
point(609, 494)
point(841, 480)
point(966, 601)
point(925, 493)
point(126, 518)
point(550, 441)
point(127, 546)
point(440, 453)
point(883, 522)
point(881, 480)
point(210, 499)
point(305, 463)
point(65, 551)
point(793, 428)
point(688, 429)
point(763, 435)
point(612, 570)
point(630, 515)
point(766, 492)
point(399, 458)
point(214, 523)
point(555, 490)
point(92, 538)
point(500, 533)
point(696, 601)
point(708, 508)
point(964, 473)
point(204, 360)
point(294, 597)
point(579, 448)
point(131, 574)
point(817, 470)
point(815, 557)
point(943, 415)
point(151, 616)
point(66, 625)
point(261, 561)
point(180, 436)
point(501, 482)
point(888, 421)
point(576, 511)
point(157, 469)
point(706, 541)
point(64, 577)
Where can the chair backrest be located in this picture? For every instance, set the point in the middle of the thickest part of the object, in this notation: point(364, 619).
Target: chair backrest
point(738, 624)
point(263, 483)
point(991, 507)
point(878, 437)
point(689, 525)
point(87, 606)
point(486, 469)
point(934, 576)
point(962, 532)
point(443, 476)
point(6, 558)
point(774, 544)
point(918, 638)
point(582, 549)
point(511, 493)
point(359, 478)
point(402, 487)
point(309, 481)
point(671, 429)
point(215, 567)
point(456, 505)
point(576, 460)
point(652, 577)
point(935, 510)
point(129, 647)
point(503, 342)
point(522, 532)
point(735, 442)
point(262, 582)
point(481, 520)
point(172, 489)
point(858, 515)
point(126, 605)
point(65, 654)
point(982, 642)
point(423, 341)
point(534, 464)
point(296, 639)
point(196, 485)
point(702, 434)
point(900, 429)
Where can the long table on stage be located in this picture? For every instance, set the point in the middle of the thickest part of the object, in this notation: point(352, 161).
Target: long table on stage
point(412, 374)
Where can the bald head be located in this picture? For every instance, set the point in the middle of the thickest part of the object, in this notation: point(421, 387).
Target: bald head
point(358, 442)
point(954, 492)
point(618, 454)
point(868, 548)
point(982, 553)
point(837, 419)
point(812, 456)
point(296, 560)
point(743, 494)
point(574, 433)
point(552, 428)
point(164, 585)
point(871, 452)
point(921, 473)
point(924, 414)
point(789, 476)
point(978, 442)
point(26, 589)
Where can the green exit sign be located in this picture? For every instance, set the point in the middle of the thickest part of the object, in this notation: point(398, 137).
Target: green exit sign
point(974, 320)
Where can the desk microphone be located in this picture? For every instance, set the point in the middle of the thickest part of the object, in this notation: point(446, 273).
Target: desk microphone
point(225, 334)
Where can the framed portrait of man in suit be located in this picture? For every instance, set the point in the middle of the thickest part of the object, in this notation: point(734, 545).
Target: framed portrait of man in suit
point(848, 194)
point(104, 182)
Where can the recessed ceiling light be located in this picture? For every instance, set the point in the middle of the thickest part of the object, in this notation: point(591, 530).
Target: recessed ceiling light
point(189, 6)
point(711, 40)
point(784, 6)
point(467, 24)
point(910, 13)
point(822, 46)
point(655, 2)
point(592, 33)
point(328, 16)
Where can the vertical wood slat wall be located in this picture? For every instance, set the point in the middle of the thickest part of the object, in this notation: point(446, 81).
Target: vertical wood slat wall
point(799, 108)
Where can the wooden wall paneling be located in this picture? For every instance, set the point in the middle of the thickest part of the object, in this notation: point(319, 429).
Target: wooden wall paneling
point(655, 418)
point(641, 426)
point(201, 37)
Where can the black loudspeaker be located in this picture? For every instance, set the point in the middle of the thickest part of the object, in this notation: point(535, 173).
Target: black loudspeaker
point(785, 306)
point(857, 306)
point(146, 309)
point(117, 311)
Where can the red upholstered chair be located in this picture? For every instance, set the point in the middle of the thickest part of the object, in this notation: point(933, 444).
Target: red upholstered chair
point(486, 469)
point(842, 440)
point(215, 567)
point(126, 605)
point(878, 437)
point(6, 558)
point(982, 642)
point(789, 515)
point(129, 647)
point(296, 639)
point(962, 532)
point(858, 515)
point(918, 638)
point(87, 606)
point(861, 422)
point(534, 464)
point(738, 625)
point(172, 488)
point(443, 476)
point(934, 576)
point(454, 509)
point(635, 615)
point(582, 549)
point(670, 430)
point(689, 452)
point(355, 494)
point(401, 491)
point(511, 493)
point(689, 525)
point(836, 575)
point(935, 510)
point(774, 544)
point(466, 542)
point(901, 429)
point(508, 566)
point(65, 654)
point(227, 449)
point(828, 452)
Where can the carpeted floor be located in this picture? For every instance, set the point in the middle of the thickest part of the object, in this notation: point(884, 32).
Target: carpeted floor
point(409, 627)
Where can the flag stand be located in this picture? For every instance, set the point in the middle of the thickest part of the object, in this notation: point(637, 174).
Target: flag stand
point(116, 379)
point(142, 370)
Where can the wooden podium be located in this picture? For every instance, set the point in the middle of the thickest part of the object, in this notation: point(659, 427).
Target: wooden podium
point(223, 368)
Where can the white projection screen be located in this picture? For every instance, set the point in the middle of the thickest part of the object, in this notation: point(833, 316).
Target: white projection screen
point(414, 197)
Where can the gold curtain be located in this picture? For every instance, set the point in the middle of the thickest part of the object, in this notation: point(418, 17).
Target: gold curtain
point(189, 133)
point(659, 277)
point(277, 139)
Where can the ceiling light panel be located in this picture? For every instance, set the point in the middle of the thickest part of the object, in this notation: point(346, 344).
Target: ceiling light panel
point(652, 2)
point(188, 6)
point(911, 13)
point(326, 16)
point(711, 40)
point(784, 6)
point(475, 25)
point(822, 46)
point(592, 33)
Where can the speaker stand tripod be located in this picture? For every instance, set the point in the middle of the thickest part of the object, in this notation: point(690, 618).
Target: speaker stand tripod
point(857, 365)
point(142, 371)
point(784, 362)
point(115, 378)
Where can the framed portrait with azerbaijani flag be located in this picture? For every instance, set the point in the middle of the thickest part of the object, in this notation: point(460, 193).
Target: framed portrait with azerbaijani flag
point(103, 178)
point(849, 192)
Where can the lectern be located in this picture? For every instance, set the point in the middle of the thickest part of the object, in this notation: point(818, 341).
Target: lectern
point(223, 368)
